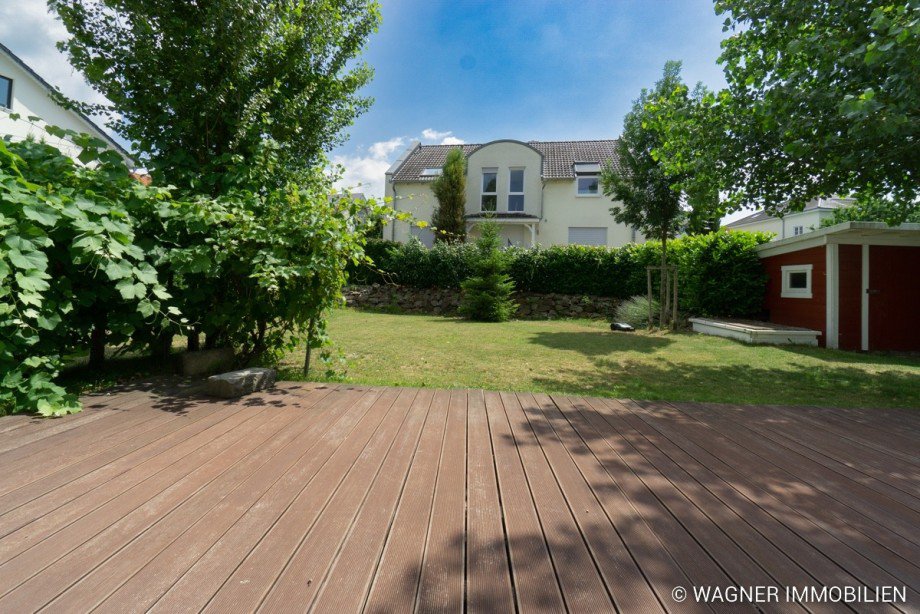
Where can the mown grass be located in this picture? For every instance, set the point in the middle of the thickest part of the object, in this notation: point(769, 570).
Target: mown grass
point(584, 357)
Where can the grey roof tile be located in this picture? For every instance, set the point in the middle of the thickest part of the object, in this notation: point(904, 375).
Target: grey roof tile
point(558, 157)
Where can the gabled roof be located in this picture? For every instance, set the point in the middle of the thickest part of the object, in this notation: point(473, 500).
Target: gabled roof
point(91, 124)
point(818, 203)
point(559, 158)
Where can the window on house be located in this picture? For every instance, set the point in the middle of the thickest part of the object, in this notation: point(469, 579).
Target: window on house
point(431, 172)
point(586, 178)
point(796, 281)
point(587, 185)
point(516, 190)
point(583, 235)
point(489, 199)
point(797, 230)
point(6, 92)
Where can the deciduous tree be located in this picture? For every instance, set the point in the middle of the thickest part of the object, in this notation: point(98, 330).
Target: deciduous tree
point(823, 98)
point(225, 93)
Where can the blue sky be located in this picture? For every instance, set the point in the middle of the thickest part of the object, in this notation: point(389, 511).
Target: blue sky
point(469, 71)
point(477, 71)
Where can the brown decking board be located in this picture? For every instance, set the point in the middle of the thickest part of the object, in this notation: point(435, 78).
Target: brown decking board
point(332, 498)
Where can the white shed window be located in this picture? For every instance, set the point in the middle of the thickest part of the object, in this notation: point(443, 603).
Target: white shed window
point(6, 92)
point(796, 281)
point(489, 199)
point(516, 190)
point(798, 230)
point(585, 235)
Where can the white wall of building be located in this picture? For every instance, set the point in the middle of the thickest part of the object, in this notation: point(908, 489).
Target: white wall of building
point(504, 156)
point(563, 208)
point(785, 227)
point(31, 98)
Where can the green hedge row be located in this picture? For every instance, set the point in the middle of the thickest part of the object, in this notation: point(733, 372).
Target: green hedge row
point(720, 273)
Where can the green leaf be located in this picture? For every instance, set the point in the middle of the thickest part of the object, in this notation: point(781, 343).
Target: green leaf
point(29, 260)
point(41, 215)
point(127, 289)
point(31, 282)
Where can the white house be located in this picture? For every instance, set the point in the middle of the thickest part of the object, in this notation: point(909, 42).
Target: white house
point(540, 192)
point(24, 92)
point(794, 223)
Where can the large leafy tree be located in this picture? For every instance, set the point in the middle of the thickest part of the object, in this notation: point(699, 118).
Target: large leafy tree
point(450, 190)
point(647, 195)
point(204, 88)
point(823, 97)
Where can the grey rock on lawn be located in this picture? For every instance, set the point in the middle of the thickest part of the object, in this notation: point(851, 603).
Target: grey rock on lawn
point(238, 383)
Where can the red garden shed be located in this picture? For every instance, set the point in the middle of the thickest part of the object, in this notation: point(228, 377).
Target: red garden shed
point(858, 283)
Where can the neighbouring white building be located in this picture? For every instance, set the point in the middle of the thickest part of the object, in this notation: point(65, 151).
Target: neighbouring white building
point(794, 223)
point(540, 192)
point(26, 93)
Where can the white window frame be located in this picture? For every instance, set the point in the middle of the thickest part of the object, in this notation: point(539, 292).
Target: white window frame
point(789, 292)
point(482, 189)
point(798, 230)
point(511, 193)
point(433, 171)
point(586, 176)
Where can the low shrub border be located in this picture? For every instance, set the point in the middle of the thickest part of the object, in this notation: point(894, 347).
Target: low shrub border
point(720, 273)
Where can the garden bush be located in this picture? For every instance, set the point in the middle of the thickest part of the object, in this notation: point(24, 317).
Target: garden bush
point(635, 310)
point(91, 258)
point(719, 273)
point(487, 293)
point(70, 266)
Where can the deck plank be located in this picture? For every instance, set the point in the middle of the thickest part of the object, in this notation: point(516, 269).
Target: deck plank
point(442, 579)
point(395, 585)
point(582, 585)
point(335, 498)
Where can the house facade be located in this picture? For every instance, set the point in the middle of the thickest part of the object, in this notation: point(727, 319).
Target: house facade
point(539, 192)
point(25, 93)
point(793, 223)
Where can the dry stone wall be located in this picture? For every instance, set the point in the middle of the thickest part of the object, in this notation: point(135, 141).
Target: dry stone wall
point(444, 301)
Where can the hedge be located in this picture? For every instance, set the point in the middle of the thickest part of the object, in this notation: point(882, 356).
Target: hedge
point(719, 273)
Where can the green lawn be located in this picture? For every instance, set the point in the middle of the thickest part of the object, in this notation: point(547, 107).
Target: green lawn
point(584, 357)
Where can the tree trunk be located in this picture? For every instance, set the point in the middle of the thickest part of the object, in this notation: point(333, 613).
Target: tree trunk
point(194, 341)
point(162, 346)
point(97, 340)
point(311, 330)
point(663, 293)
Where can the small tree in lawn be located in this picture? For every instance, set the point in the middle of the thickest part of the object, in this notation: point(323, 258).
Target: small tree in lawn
point(648, 195)
point(450, 190)
point(487, 294)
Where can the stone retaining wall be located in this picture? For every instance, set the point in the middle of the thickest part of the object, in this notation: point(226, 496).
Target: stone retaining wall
point(444, 301)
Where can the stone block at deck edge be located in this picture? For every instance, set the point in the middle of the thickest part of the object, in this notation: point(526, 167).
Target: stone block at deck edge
point(238, 383)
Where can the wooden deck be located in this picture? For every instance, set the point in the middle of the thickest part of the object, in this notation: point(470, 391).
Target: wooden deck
point(349, 499)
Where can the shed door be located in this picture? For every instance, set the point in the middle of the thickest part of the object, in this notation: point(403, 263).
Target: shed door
point(894, 298)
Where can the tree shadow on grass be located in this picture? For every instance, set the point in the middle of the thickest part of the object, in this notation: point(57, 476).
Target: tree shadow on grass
point(600, 343)
point(742, 384)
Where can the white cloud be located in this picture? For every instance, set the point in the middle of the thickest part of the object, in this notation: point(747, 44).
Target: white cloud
point(445, 138)
point(433, 135)
point(365, 170)
point(383, 149)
